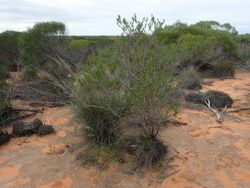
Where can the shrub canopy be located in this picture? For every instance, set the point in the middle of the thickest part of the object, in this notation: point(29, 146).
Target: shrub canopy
point(9, 51)
point(41, 40)
point(197, 45)
point(131, 77)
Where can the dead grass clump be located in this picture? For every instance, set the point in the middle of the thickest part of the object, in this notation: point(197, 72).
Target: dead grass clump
point(217, 99)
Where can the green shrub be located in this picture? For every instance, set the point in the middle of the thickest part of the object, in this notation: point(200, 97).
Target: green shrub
point(9, 52)
point(196, 46)
point(223, 69)
point(127, 82)
point(243, 48)
point(98, 106)
point(78, 43)
point(42, 40)
point(191, 79)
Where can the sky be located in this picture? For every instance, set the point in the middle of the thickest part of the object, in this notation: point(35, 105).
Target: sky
point(98, 17)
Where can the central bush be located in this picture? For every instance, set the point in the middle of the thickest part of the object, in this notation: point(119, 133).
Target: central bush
point(126, 87)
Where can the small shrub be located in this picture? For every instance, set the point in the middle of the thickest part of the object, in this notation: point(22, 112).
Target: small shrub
point(222, 69)
point(195, 97)
point(99, 109)
point(191, 79)
point(9, 52)
point(100, 127)
point(218, 99)
point(44, 39)
point(128, 80)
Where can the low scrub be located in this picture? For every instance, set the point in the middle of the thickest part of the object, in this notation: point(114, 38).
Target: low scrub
point(9, 52)
point(191, 79)
point(222, 69)
point(197, 45)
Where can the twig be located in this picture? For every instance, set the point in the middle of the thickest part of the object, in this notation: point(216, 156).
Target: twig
point(173, 173)
point(239, 109)
point(176, 122)
point(178, 153)
point(215, 127)
point(28, 110)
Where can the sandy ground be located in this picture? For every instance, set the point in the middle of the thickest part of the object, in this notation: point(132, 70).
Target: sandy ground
point(201, 154)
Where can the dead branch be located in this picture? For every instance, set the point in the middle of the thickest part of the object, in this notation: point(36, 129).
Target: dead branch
point(15, 118)
point(173, 173)
point(239, 109)
point(217, 127)
point(219, 114)
point(176, 122)
point(28, 110)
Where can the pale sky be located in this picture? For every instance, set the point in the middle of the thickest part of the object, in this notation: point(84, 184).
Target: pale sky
point(98, 17)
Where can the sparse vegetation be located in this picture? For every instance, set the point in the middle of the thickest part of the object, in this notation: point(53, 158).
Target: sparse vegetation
point(222, 69)
point(130, 84)
point(123, 88)
point(191, 79)
point(196, 46)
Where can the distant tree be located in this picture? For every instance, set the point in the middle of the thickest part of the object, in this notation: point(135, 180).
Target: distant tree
point(217, 26)
point(9, 51)
point(41, 41)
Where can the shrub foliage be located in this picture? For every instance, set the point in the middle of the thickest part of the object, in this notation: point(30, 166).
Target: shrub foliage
point(126, 81)
point(44, 39)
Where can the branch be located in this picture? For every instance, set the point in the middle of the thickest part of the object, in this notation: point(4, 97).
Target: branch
point(239, 109)
point(176, 122)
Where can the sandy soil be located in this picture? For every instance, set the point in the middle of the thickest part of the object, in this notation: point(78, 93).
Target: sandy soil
point(201, 154)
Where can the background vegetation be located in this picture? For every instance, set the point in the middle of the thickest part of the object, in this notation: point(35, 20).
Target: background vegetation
point(123, 88)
